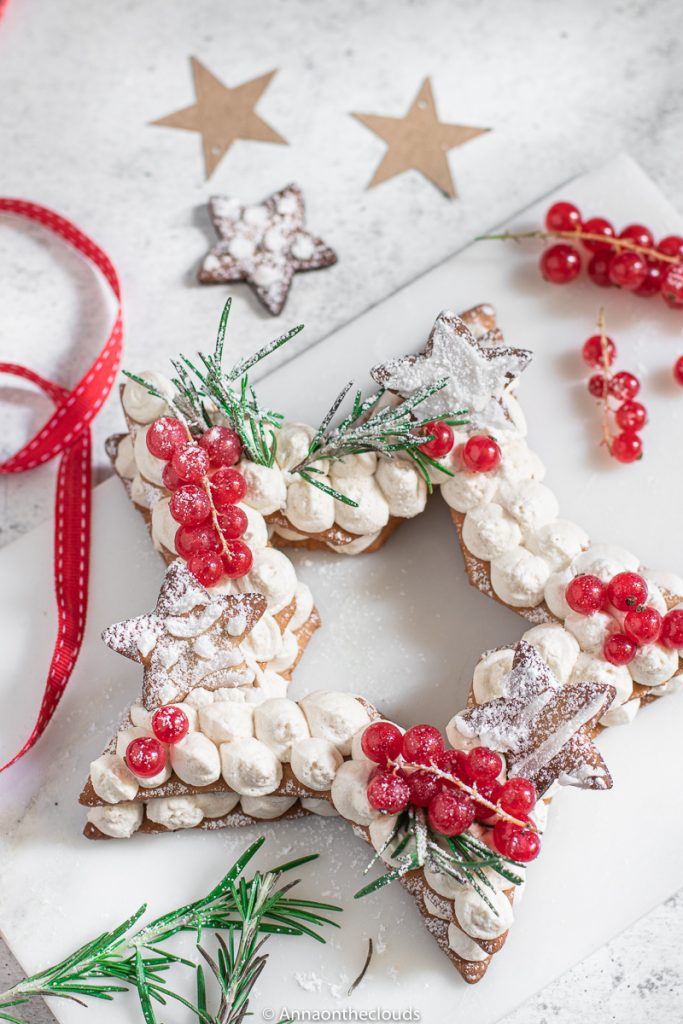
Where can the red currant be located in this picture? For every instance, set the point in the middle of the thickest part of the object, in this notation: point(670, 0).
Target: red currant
point(624, 385)
point(192, 540)
point(671, 635)
point(451, 813)
point(672, 286)
point(626, 590)
point(563, 216)
point(643, 624)
point(381, 742)
point(422, 744)
point(453, 762)
point(597, 385)
point(483, 764)
point(678, 371)
point(423, 787)
point(170, 478)
point(190, 463)
point(598, 270)
point(207, 566)
point(222, 445)
point(238, 560)
point(672, 245)
point(592, 351)
point(233, 522)
point(631, 416)
point(170, 724)
point(560, 264)
point(598, 226)
point(518, 797)
point(164, 436)
point(388, 791)
point(190, 505)
point(626, 447)
point(442, 439)
point(638, 234)
point(618, 649)
point(228, 486)
point(627, 270)
point(520, 844)
point(145, 756)
point(481, 454)
point(652, 284)
point(585, 594)
point(491, 791)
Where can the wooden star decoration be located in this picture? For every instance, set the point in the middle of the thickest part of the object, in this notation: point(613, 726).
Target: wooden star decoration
point(222, 115)
point(419, 141)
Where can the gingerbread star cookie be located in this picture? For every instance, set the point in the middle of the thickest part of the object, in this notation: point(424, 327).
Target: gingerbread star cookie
point(191, 638)
point(478, 372)
point(264, 245)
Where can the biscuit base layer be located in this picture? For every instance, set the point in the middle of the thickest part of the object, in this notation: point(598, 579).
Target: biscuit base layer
point(337, 536)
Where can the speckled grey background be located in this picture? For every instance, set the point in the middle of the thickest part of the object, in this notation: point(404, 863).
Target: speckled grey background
point(562, 85)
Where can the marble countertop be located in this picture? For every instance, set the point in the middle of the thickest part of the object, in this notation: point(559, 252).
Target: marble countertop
point(563, 86)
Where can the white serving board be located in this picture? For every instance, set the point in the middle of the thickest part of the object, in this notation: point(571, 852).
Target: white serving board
point(401, 626)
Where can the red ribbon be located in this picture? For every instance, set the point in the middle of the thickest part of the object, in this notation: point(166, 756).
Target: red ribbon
point(67, 434)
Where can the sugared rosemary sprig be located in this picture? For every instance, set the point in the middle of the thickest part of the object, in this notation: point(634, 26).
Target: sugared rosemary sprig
point(121, 959)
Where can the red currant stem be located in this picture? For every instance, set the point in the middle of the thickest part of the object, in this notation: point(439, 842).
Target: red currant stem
point(604, 348)
point(206, 485)
point(474, 793)
point(587, 236)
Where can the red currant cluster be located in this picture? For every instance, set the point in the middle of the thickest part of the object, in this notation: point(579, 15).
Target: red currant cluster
point(599, 351)
point(629, 260)
point(146, 756)
point(479, 454)
point(204, 495)
point(627, 593)
point(455, 787)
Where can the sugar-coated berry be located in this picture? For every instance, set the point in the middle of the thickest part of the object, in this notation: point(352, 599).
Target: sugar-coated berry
point(598, 270)
point(228, 486)
point(490, 791)
point(388, 791)
point(164, 436)
point(560, 264)
point(442, 438)
point(624, 385)
point(592, 351)
point(207, 567)
point(423, 787)
point(627, 446)
point(222, 445)
point(672, 245)
point(453, 762)
point(232, 522)
point(190, 463)
point(585, 594)
point(422, 744)
point(627, 270)
point(672, 286)
point(626, 590)
point(192, 540)
point(190, 505)
point(145, 756)
point(643, 624)
point(483, 764)
point(170, 724)
point(602, 227)
point(381, 742)
point(618, 649)
point(518, 797)
point(451, 813)
point(238, 560)
point(597, 385)
point(563, 216)
point(481, 454)
point(520, 844)
point(671, 635)
point(631, 416)
point(170, 478)
point(678, 371)
point(652, 283)
point(639, 235)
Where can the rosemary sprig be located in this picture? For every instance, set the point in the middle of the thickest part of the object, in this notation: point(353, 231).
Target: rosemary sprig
point(122, 959)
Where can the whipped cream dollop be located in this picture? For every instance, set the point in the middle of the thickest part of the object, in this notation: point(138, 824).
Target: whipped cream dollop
point(308, 508)
point(489, 531)
point(272, 574)
point(249, 767)
point(403, 486)
point(266, 487)
point(464, 946)
point(224, 721)
point(596, 669)
point(489, 673)
point(318, 805)
point(591, 630)
point(174, 812)
point(315, 762)
point(477, 919)
point(350, 791)
point(519, 577)
point(280, 724)
point(464, 491)
point(119, 821)
point(335, 717)
point(124, 463)
point(267, 807)
point(293, 441)
point(195, 760)
point(558, 648)
point(112, 779)
point(380, 830)
point(372, 511)
point(531, 503)
point(216, 805)
point(264, 642)
point(148, 465)
point(139, 404)
point(354, 466)
point(558, 542)
point(164, 526)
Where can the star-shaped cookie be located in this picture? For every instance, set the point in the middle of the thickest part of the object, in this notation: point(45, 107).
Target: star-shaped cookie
point(479, 374)
point(545, 730)
point(191, 638)
point(264, 245)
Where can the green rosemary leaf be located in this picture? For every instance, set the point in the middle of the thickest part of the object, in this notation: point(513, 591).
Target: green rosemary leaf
point(387, 878)
point(222, 328)
point(305, 475)
point(143, 991)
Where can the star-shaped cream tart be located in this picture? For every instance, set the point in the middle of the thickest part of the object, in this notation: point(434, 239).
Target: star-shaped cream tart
point(222, 115)
point(192, 638)
point(264, 245)
point(418, 141)
point(479, 374)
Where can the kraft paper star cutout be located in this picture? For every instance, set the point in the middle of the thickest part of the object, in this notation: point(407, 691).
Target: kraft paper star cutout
point(418, 141)
point(479, 374)
point(222, 115)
